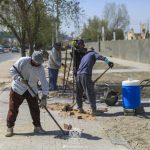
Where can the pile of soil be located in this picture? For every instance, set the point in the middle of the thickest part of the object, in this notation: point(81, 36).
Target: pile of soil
point(74, 112)
point(56, 106)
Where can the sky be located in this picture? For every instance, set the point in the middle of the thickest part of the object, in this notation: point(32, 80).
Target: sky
point(138, 10)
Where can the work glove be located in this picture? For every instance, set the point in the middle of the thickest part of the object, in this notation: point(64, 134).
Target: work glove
point(43, 101)
point(110, 64)
point(23, 80)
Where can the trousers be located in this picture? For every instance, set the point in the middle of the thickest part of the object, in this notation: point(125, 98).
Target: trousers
point(85, 84)
point(15, 100)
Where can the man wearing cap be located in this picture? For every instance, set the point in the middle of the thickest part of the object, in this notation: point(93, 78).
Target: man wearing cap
point(79, 51)
point(54, 63)
point(32, 71)
point(84, 79)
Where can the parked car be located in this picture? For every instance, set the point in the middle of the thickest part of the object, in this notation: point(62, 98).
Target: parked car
point(7, 48)
point(15, 49)
point(1, 49)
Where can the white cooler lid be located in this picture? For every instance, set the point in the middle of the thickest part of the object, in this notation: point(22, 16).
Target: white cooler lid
point(130, 82)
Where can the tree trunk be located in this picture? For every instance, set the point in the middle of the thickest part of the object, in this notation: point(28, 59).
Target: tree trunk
point(31, 49)
point(23, 53)
point(23, 49)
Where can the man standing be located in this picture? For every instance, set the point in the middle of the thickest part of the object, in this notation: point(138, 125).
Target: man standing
point(54, 64)
point(79, 51)
point(84, 79)
point(32, 71)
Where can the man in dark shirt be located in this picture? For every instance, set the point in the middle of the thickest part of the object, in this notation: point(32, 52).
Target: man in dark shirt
point(84, 79)
point(79, 51)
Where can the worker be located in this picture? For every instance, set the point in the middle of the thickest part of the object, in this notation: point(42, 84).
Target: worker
point(54, 63)
point(32, 70)
point(79, 51)
point(84, 79)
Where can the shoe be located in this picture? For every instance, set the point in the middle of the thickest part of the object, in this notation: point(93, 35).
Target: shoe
point(96, 113)
point(39, 130)
point(10, 132)
point(81, 110)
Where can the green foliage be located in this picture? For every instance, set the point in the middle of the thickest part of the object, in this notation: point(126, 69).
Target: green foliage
point(45, 32)
point(93, 28)
point(35, 22)
point(92, 31)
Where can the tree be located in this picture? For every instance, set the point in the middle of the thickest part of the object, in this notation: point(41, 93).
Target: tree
point(93, 28)
point(64, 11)
point(10, 18)
point(28, 20)
point(45, 33)
point(116, 15)
point(24, 18)
point(31, 12)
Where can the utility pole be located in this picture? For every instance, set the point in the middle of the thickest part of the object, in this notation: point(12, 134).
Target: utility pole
point(98, 38)
point(103, 34)
point(57, 19)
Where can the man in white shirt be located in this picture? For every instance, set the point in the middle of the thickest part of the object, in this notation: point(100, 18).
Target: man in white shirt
point(32, 71)
point(54, 63)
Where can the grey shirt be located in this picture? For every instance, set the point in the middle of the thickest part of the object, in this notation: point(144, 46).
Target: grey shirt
point(30, 73)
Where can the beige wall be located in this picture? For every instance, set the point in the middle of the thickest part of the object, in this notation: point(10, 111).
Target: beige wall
point(135, 50)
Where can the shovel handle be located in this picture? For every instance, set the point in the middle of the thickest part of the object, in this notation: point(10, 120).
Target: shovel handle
point(101, 75)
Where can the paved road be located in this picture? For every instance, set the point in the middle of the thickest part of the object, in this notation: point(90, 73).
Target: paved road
point(8, 56)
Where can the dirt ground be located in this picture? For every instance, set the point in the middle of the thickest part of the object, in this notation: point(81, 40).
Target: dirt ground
point(132, 132)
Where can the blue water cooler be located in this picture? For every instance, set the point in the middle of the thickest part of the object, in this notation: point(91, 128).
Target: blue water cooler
point(131, 94)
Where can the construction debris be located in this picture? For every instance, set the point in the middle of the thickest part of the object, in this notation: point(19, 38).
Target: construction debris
point(56, 106)
point(67, 107)
point(73, 112)
point(79, 117)
point(67, 126)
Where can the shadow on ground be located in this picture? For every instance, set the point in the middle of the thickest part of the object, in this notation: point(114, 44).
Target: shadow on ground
point(58, 135)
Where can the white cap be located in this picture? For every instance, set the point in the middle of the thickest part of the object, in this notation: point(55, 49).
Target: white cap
point(37, 57)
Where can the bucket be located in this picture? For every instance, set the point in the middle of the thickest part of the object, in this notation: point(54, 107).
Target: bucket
point(131, 94)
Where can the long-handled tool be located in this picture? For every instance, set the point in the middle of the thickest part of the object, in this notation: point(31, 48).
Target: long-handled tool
point(69, 107)
point(63, 132)
point(65, 68)
point(68, 75)
point(101, 75)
